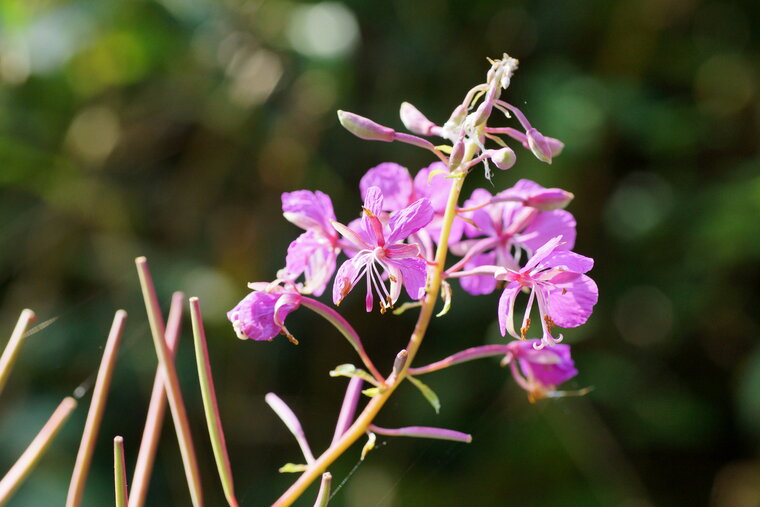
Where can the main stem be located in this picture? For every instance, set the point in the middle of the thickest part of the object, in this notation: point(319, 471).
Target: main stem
point(359, 427)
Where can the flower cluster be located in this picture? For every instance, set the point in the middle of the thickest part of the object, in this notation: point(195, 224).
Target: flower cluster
point(519, 240)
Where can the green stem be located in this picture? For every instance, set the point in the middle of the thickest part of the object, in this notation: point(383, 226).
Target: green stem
point(210, 405)
point(119, 473)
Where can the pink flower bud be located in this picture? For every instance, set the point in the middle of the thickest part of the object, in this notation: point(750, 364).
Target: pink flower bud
point(365, 128)
point(503, 158)
point(539, 145)
point(457, 154)
point(549, 199)
point(415, 121)
point(555, 146)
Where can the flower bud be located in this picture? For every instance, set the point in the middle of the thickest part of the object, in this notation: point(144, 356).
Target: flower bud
point(503, 158)
point(364, 128)
point(549, 199)
point(555, 146)
point(539, 145)
point(415, 121)
point(457, 154)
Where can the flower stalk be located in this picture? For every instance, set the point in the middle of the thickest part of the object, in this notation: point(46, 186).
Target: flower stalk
point(95, 412)
point(28, 460)
point(173, 392)
point(156, 410)
point(119, 473)
point(14, 345)
point(210, 404)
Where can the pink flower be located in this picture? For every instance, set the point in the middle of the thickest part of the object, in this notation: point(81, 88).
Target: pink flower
point(540, 371)
point(399, 191)
point(261, 314)
point(511, 224)
point(555, 279)
point(314, 252)
point(381, 251)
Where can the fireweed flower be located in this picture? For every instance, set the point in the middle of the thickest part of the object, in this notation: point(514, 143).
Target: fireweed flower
point(381, 251)
point(512, 221)
point(541, 370)
point(556, 279)
point(400, 190)
point(261, 314)
point(314, 252)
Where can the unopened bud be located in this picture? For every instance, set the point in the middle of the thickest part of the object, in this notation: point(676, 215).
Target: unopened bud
point(481, 114)
point(415, 121)
point(503, 158)
point(555, 146)
point(539, 145)
point(400, 361)
point(364, 128)
point(550, 199)
point(457, 154)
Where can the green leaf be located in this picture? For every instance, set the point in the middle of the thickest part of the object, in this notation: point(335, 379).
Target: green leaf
point(428, 393)
point(292, 468)
point(349, 370)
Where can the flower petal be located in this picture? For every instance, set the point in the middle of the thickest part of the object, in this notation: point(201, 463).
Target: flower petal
point(547, 225)
point(393, 180)
point(478, 285)
point(569, 261)
point(507, 309)
point(436, 188)
point(309, 210)
point(347, 275)
point(409, 220)
point(572, 300)
point(413, 275)
point(314, 257)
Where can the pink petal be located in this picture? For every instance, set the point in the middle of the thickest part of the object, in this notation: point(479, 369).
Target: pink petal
point(393, 180)
point(507, 309)
point(572, 300)
point(409, 220)
point(569, 261)
point(547, 225)
point(479, 284)
point(373, 202)
point(347, 276)
point(314, 257)
point(543, 252)
point(402, 251)
point(414, 275)
point(436, 188)
point(308, 210)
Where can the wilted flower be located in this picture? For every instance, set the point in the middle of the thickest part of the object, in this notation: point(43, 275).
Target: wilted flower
point(540, 371)
point(261, 314)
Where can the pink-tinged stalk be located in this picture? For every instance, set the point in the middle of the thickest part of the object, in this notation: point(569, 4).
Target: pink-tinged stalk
point(284, 412)
point(173, 392)
point(14, 345)
point(119, 473)
point(210, 404)
point(95, 412)
point(348, 409)
point(359, 427)
point(156, 410)
point(462, 357)
point(346, 330)
point(24, 465)
point(423, 432)
point(323, 497)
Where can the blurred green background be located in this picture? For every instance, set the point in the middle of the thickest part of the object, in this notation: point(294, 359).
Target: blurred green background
point(169, 129)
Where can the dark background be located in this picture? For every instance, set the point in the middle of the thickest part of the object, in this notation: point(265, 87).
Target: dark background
point(170, 128)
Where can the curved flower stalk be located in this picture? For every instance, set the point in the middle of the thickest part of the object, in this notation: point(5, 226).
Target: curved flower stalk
point(520, 237)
